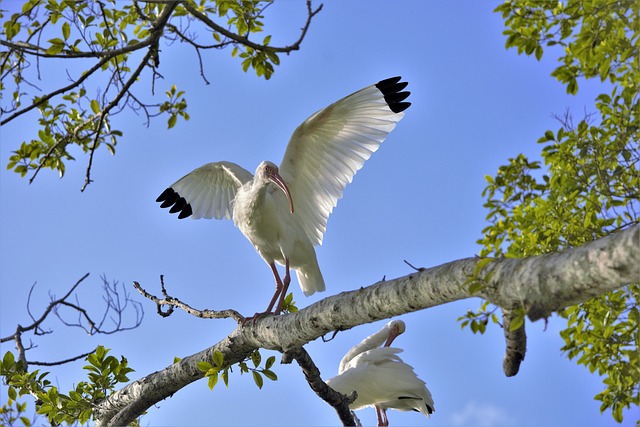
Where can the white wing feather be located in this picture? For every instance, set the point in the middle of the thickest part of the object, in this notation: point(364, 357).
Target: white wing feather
point(328, 148)
point(210, 189)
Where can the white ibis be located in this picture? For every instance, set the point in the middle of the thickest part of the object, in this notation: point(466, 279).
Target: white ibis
point(284, 211)
point(380, 377)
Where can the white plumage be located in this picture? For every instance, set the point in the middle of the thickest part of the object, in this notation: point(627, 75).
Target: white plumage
point(284, 211)
point(380, 377)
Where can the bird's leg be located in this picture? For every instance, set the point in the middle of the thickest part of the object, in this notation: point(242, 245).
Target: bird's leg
point(286, 282)
point(279, 287)
point(382, 416)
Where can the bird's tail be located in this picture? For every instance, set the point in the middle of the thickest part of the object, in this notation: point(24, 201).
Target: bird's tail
point(310, 279)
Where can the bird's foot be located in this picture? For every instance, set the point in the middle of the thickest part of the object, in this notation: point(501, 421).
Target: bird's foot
point(255, 317)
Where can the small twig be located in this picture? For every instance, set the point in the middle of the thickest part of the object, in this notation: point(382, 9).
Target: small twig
point(62, 362)
point(174, 302)
point(53, 306)
point(333, 335)
point(415, 268)
point(244, 40)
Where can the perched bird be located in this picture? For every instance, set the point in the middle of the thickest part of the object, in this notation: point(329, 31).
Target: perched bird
point(283, 211)
point(380, 377)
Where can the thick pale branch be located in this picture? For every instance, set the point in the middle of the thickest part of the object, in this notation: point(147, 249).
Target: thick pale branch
point(548, 283)
point(539, 284)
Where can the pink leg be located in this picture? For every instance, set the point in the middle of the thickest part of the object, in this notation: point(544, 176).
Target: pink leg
point(382, 417)
point(279, 288)
point(286, 282)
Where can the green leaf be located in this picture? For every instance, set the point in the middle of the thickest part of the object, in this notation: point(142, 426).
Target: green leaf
point(12, 393)
point(518, 321)
point(218, 358)
point(257, 378)
point(225, 377)
point(270, 361)
point(213, 380)
point(95, 106)
point(538, 52)
point(171, 122)
point(8, 360)
point(204, 366)
point(256, 358)
point(476, 286)
point(66, 30)
point(270, 374)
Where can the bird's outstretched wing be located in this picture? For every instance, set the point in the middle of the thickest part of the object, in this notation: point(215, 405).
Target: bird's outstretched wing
point(328, 148)
point(206, 192)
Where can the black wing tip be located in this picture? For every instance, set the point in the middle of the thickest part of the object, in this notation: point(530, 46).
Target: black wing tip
point(392, 90)
point(169, 198)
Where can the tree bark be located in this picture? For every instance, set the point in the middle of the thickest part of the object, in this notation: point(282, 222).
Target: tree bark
point(540, 285)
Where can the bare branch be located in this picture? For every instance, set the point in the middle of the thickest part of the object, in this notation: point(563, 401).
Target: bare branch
point(83, 316)
point(112, 305)
point(244, 40)
point(174, 302)
point(67, 88)
point(311, 372)
point(62, 362)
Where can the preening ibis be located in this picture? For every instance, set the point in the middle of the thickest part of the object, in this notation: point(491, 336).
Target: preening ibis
point(380, 377)
point(283, 211)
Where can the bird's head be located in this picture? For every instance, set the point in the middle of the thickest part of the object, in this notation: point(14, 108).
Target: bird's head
point(268, 171)
point(394, 328)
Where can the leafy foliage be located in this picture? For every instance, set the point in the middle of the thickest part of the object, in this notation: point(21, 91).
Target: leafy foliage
point(114, 45)
point(104, 374)
point(587, 184)
point(289, 305)
point(212, 370)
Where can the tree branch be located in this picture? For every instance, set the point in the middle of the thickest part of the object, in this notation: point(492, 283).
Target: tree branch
point(244, 40)
point(54, 306)
point(311, 372)
point(540, 284)
point(175, 302)
point(516, 344)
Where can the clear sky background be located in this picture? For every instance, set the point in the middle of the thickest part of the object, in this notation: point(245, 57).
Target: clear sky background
point(418, 199)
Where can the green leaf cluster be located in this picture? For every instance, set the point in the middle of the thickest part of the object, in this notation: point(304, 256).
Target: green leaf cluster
point(587, 183)
point(212, 370)
point(598, 37)
point(289, 305)
point(12, 411)
point(10, 415)
point(104, 373)
point(103, 39)
point(477, 320)
point(175, 106)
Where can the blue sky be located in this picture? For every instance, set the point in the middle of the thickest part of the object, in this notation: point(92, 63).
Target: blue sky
point(417, 199)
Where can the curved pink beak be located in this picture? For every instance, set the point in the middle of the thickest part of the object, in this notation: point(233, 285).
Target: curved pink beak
point(277, 180)
point(393, 333)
